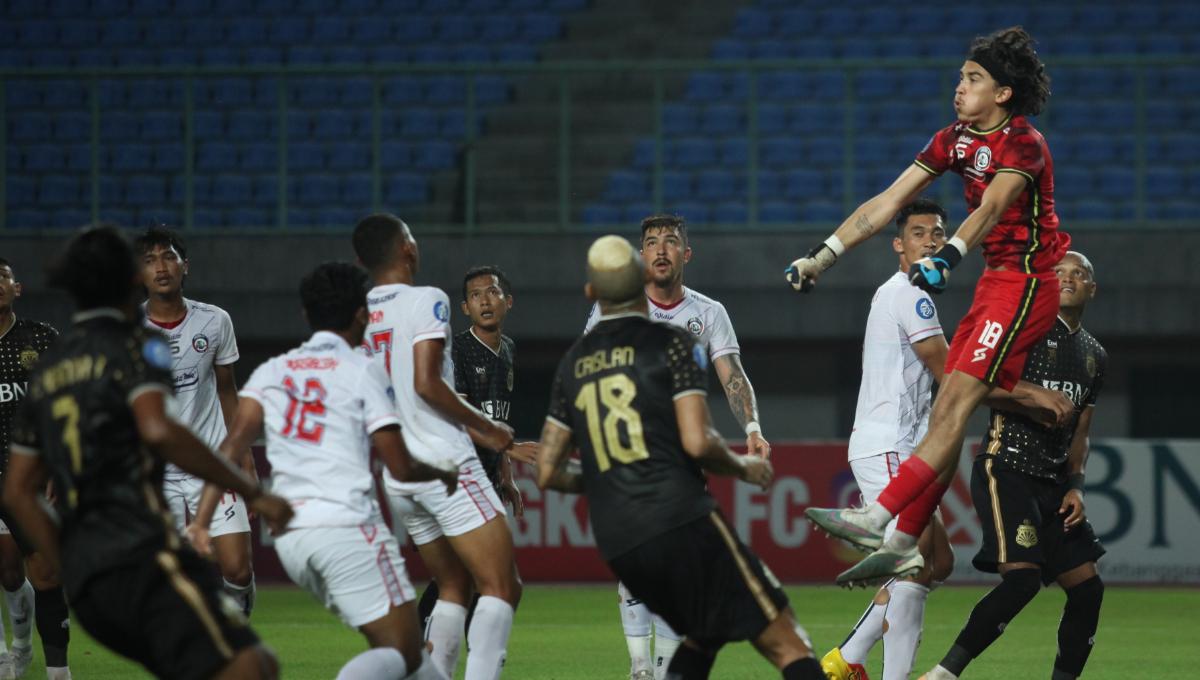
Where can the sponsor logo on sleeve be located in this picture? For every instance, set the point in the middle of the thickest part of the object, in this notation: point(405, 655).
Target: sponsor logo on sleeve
point(925, 308)
point(441, 311)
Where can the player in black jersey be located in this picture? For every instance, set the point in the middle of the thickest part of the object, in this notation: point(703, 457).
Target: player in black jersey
point(1027, 485)
point(22, 341)
point(631, 396)
point(94, 422)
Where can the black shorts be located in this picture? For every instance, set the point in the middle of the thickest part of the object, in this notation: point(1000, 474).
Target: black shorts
point(167, 612)
point(704, 582)
point(1019, 517)
point(23, 542)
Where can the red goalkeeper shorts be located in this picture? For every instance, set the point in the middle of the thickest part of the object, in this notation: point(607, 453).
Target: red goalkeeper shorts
point(1010, 313)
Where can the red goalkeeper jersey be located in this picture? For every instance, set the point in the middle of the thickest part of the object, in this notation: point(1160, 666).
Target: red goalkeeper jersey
point(1027, 238)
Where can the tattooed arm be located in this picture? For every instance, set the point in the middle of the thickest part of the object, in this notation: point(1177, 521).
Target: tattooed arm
point(742, 401)
point(555, 469)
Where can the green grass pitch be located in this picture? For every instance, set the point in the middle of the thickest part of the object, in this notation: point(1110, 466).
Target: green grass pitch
point(573, 632)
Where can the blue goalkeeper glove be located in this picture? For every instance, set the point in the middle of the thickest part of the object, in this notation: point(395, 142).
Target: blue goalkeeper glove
point(932, 273)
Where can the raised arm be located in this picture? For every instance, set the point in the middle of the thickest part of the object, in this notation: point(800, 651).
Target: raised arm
point(866, 221)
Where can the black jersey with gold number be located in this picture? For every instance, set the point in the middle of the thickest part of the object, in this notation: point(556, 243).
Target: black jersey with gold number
point(20, 348)
point(615, 391)
point(486, 378)
point(77, 417)
point(1070, 362)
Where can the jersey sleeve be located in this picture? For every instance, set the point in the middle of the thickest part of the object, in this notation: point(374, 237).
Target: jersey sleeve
point(723, 340)
point(1022, 154)
point(935, 157)
point(379, 407)
point(559, 412)
point(593, 318)
point(148, 367)
point(1098, 381)
point(25, 439)
point(688, 365)
point(430, 317)
point(458, 354)
point(255, 388)
point(916, 314)
point(227, 353)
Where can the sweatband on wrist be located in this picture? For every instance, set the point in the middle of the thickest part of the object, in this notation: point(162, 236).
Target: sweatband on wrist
point(835, 244)
point(1075, 481)
point(753, 427)
point(952, 253)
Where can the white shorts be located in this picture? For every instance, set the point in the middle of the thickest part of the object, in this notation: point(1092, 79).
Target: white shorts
point(428, 513)
point(873, 474)
point(356, 572)
point(4, 530)
point(183, 498)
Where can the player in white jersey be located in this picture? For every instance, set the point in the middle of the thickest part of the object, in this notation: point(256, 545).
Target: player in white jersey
point(462, 537)
point(666, 251)
point(203, 352)
point(904, 353)
point(322, 407)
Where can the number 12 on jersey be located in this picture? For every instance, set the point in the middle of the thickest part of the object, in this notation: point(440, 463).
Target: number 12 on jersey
point(613, 394)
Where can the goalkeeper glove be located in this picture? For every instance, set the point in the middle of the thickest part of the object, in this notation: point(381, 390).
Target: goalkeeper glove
point(803, 273)
point(932, 273)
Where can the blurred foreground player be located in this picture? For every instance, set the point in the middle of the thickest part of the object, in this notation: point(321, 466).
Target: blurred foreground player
point(631, 396)
point(203, 352)
point(666, 251)
point(1027, 485)
point(22, 341)
point(1009, 187)
point(322, 407)
point(95, 423)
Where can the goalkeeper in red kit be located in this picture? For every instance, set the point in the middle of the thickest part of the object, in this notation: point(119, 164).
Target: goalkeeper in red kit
point(1008, 178)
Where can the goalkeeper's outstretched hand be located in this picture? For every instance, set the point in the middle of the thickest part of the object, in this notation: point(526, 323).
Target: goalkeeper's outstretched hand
point(930, 274)
point(803, 273)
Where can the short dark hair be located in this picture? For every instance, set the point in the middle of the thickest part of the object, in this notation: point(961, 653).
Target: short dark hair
point(486, 270)
point(96, 268)
point(1009, 56)
point(920, 206)
point(332, 294)
point(375, 239)
point(665, 221)
point(159, 236)
point(5, 263)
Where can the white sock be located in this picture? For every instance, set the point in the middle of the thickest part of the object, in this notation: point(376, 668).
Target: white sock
point(905, 618)
point(446, 623)
point(898, 541)
point(20, 614)
point(939, 673)
point(427, 670)
point(384, 663)
point(635, 619)
point(866, 633)
point(879, 515)
point(487, 640)
point(58, 673)
point(244, 595)
point(666, 641)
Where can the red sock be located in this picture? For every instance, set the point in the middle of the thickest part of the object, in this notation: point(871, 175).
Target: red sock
point(912, 479)
point(914, 518)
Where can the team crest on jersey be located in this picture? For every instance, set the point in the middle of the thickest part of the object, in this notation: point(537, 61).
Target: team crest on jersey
point(925, 308)
point(1027, 535)
point(983, 158)
point(1090, 365)
point(695, 325)
point(28, 358)
point(200, 343)
point(441, 312)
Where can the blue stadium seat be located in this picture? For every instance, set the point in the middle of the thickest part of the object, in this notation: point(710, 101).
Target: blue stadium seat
point(858, 48)
point(430, 53)
point(491, 89)
point(837, 21)
point(680, 120)
point(730, 49)
point(161, 126)
point(796, 22)
point(30, 128)
point(70, 34)
point(821, 151)
point(394, 155)
point(872, 150)
point(626, 185)
point(231, 190)
point(355, 190)
point(259, 157)
point(772, 119)
point(879, 83)
point(349, 156)
point(32, 219)
point(240, 216)
point(781, 152)
point(315, 91)
point(451, 28)
point(1090, 210)
point(704, 86)
point(772, 49)
point(516, 53)
point(782, 86)
point(288, 31)
point(821, 211)
point(415, 29)
point(43, 157)
point(778, 212)
point(733, 152)
point(1180, 148)
point(329, 30)
point(808, 119)
point(692, 211)
point(880, 21)
point(207, 218)
point(643, 153)
point(1165, 183)
point(306, 156)
point(405, 189)
point(419, 123)
point(826, 85)
point(719, 120)
point(737, 87)
point(813, 48)
point(601, 213)
point(720, 185)
point(752, 23)
point(346, 55)
point(770, 184)
point(266, 189)
point(370, 30)
point(730, 212)
point(804, 183)
point(434, 156)
point(177, 56)
point(633, 213)
point(251, 125)
point(206, 124)
point(445, 90)
point(497, 27)
point(1071, 182)
point(56, 190)
point(37, 33)
point(676, 186)
point(168, 157)
point(246, 31)
point(902, 48)
point(314, 190)
point(132, 157)
point(692, 153)
point(220, 55)
point(454, 124)
point(261, 55)
point(404, 91)
point(299, 125)
point(145, 190)
point(22, 190)
point(229, 92)
point(566, 5)
point(333, 124)
point(78, 158)
point(119, 126)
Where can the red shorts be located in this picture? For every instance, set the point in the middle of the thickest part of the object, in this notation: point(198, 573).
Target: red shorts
point(1010, 313)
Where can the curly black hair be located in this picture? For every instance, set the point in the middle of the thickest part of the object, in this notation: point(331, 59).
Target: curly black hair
point(332, 294)
point(1009, 56)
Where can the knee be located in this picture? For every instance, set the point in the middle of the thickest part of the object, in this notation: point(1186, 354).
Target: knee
point(1023, 583)
point(239, 572)
point(1087, 595)
point(942, 565)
